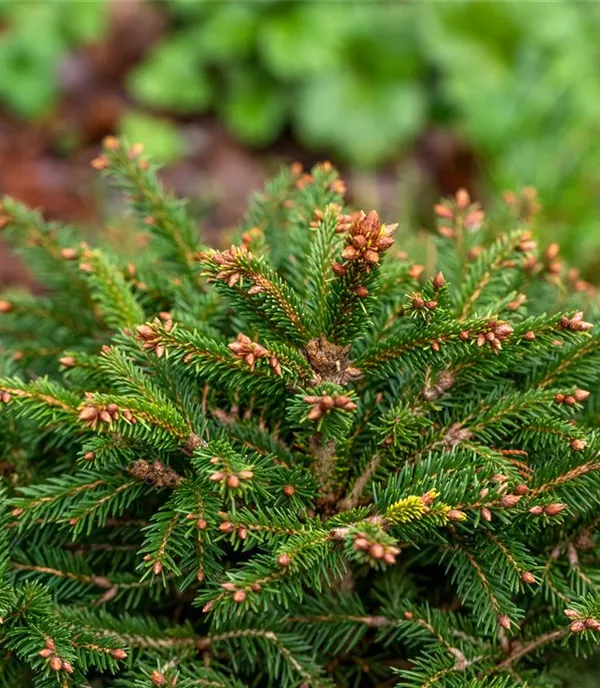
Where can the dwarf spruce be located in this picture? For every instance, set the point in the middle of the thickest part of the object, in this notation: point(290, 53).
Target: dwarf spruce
point(300, 461)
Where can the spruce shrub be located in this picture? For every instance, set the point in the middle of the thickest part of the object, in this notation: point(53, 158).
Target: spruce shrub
point(301, 461)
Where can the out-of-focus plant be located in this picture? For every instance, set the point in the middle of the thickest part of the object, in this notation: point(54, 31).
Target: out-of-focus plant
point(34, 38)
point(364, 80)
point(347, 77)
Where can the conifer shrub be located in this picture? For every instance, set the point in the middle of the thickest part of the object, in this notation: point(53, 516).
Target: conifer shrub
point(301, 461)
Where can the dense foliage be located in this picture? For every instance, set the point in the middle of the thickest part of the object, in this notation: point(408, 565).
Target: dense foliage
point(301, 461)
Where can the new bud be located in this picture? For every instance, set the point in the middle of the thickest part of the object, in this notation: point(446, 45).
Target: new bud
point(439, 281)
point(554, 509)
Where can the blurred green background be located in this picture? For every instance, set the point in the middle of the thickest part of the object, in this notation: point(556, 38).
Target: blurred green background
point(412, 100)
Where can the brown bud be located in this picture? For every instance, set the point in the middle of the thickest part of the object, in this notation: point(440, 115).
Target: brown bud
point(552, 251)
point(105, 416)
point(314, 414)
point(510, 500)
point(456, 515)
point(536, 510)
point(350, 253)
point(408, 615)
point(486, 514)
point(56, 663)
point(284, 560)
point(570, 400)
point(239, 596)
point(571, 614)
point(246, 475)
point(339, 269)
point(504, 621)
point(474, 252)
point(289, 490)
point(431, 305)
point(577, 626)
point(474, 219)
point(439, 281)
point(111, 143)
point(581, 394)
point(448, 232)
point(443, 211)
point(255, 587)
point(226, 527)
point(361, 292)
point(529, 336)
point(135, 150)
point(572, 555)
point(389, 558)
point(68, 253)
point(554, 509)
point(592, 625)
point(119, 654)
point(578, 444)
point(415, 271)
point(418, 302)
point(371, 256)
point(376, 551)
point(559, 398)
point(200, 523)
point(5, 306)
point(361, 543)
point(157, 568)
point(327, 402)
point(88, 413)
point(384, 243)
point(528, 577)
point(463, 200)
point(158, 679)
point(233, 481)
point(521, 489)
point(100, 163)
point(45, 653)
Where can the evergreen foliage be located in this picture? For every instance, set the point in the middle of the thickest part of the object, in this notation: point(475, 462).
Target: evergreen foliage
point(301, 461)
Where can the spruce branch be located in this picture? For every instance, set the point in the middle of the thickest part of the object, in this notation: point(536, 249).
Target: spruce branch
point(156, 210)
point(254, 287)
